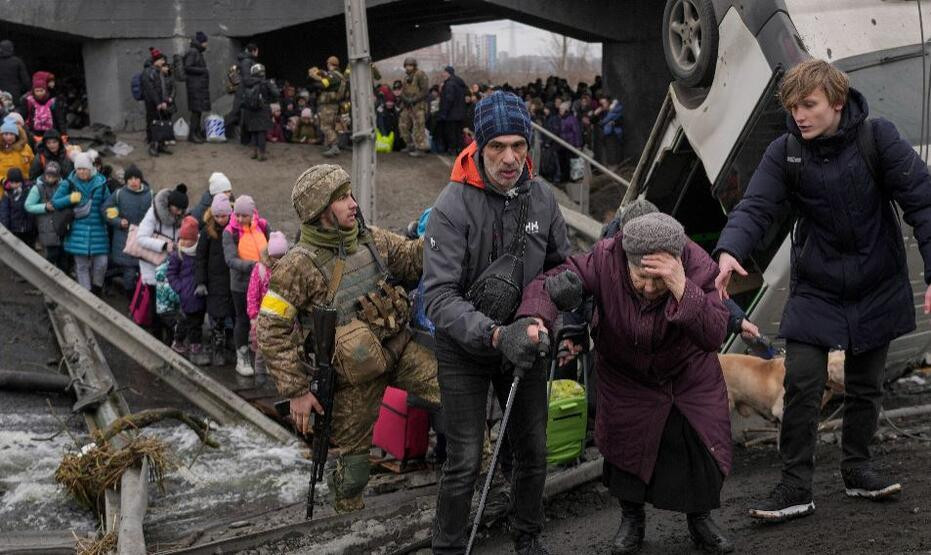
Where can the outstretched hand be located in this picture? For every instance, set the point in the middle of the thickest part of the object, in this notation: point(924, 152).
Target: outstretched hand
point(728, 264)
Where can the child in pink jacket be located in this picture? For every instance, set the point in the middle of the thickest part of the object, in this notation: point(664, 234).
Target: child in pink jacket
point(258, 286)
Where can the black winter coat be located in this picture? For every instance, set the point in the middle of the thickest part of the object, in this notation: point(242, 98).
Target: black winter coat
point(43, 157)
point(212, 271)
point(849, 285)
point(452, 99)
point(197, 79)
point(13, 215)
point(259, 120)
point(245, 61)
point(14, 78)
point(157, 87)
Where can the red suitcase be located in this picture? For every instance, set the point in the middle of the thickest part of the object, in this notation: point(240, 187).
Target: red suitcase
point(401, 430)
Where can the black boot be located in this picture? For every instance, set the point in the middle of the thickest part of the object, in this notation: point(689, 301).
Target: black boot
point(97, 291)
point(526, 544)
point(706, 535)
point(629, 536)
point(218, 357)
point(153, 149)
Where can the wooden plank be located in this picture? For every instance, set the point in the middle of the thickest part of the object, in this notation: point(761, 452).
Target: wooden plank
point(199, 388)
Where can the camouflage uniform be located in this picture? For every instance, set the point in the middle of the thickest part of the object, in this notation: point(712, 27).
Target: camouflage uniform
point(300, 282)
point(334, 85)
point(413, 119)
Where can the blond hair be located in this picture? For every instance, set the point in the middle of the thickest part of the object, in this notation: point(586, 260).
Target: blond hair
point(807, 77)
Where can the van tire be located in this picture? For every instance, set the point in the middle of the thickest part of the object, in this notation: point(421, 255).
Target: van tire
point(690, 41)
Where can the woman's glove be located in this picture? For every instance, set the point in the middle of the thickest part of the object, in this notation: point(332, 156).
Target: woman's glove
point(565, 289)
point(201, 290)
point(75, 197)
point(517, 346)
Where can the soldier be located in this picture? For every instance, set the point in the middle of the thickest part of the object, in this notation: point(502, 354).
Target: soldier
point(333, 84)
point(339, 262)
point(413, 118)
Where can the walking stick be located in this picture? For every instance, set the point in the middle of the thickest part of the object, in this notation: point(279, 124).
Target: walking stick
point(518, 374)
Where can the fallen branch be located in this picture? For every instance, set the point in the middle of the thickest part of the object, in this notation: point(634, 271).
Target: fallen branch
point(148, 417)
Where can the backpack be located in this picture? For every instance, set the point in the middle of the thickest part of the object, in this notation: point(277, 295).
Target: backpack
point(42, 118)
point(253, 99)
point(135, 85)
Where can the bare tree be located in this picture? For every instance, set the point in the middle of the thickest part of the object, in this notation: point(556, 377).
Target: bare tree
point(557, 51)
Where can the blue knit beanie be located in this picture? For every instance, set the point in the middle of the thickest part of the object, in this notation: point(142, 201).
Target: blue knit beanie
point(9, 127)
point(200, 37)
point(500, 113)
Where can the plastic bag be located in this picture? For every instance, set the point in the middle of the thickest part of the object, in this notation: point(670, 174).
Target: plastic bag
point(181, 128)
point(215, 128)
point(576, 169)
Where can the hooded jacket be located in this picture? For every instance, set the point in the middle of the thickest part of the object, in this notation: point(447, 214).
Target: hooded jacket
point(14, 78)
point(39, 194)
point(452, 99)
point(124, 203)
point(181, 274)
point(849, 286)
point(18, 155)
point(258, 284)
point(157, 228)
point(43, 156)
point(460, 237)
point(88, 235)
point(13, 213)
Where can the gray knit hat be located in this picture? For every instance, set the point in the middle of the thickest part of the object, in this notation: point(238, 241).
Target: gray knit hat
point(651, 233)
point(635, 209)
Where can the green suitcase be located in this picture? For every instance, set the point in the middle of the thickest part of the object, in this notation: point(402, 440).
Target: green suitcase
point(567, 422)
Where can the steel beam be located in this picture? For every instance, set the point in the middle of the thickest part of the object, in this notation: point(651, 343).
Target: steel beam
point(197, 387)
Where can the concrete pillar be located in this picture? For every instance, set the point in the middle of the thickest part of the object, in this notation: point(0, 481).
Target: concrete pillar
point(636, 73)
point(109, 66)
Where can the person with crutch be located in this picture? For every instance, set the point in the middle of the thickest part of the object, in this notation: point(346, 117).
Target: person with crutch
point(662, 421)
point(493, 228)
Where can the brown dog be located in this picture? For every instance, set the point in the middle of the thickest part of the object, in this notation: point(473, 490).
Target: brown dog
point(756, 385)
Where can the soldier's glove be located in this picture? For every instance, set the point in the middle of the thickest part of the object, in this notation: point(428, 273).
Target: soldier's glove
point(201, 290)
point(565, 289)
point(516, 345)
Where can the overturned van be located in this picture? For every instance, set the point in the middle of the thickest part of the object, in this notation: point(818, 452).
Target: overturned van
point(722, 112)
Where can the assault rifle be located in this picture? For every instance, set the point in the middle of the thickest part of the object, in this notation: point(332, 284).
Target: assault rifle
point(323, 387)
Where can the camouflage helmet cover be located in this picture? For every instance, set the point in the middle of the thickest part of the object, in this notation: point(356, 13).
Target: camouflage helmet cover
point(410, 62)
point(333, 61)
point(314, 187)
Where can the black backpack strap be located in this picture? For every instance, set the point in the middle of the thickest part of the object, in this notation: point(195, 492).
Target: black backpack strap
point(793, 163)
point(867, 145)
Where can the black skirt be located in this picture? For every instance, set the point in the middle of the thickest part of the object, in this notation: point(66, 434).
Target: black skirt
point(686, 477)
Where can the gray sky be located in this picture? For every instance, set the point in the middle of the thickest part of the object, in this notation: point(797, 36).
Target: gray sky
point(527, 40)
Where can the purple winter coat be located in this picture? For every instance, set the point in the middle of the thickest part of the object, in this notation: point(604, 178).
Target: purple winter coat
point(570, 131)
point(181, 270)
point(651, 355)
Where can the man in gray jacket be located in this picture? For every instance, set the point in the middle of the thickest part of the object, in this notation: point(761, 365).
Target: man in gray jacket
point(491, 231)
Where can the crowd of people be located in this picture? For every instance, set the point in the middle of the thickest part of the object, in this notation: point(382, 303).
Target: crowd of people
point(412, 115)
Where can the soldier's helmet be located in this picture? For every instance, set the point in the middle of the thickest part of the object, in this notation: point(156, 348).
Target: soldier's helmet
point(410, 62)
point(333, 61)
point(257, 69)
point(314, 187)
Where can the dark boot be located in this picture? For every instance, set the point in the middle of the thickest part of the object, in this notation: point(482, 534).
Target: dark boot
point(629, 536)
point(153, 149)
point(526, 544)
point(163, 149)
point(97, 291)
point(706, 535)
point(218, 357)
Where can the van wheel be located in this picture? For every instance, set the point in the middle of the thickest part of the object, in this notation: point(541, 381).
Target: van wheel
point(690, 41)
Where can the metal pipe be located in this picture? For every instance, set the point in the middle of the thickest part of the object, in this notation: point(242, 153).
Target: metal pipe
point(33, 381)
point(581, 154)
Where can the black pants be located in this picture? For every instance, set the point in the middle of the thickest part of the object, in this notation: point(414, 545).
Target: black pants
point(241, 328)
point(57, 256)
point(806, 374)
point(151, 113)
point(464, 384)
point(452, 136)
point(190, 326)
point(258, 140)
point(196, 129)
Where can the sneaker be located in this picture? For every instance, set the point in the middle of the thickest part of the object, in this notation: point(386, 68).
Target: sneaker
point(785, 502)
point(243, 364)
point(198, 355)
point(864, 481)
point(332, 151)
point(415, 153)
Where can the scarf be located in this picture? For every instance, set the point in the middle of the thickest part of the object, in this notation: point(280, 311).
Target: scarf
point(317, 236)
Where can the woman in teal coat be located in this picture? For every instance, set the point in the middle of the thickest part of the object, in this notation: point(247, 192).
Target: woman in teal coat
point(85, 191)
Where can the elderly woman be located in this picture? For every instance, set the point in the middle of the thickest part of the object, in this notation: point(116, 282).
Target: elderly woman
point(662, 421)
